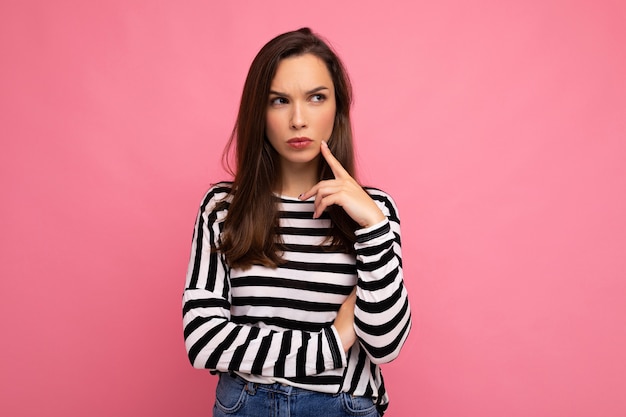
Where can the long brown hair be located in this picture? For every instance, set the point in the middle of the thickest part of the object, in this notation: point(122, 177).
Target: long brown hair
point(249, 235)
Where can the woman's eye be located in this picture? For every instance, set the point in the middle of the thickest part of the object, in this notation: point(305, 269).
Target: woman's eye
point(277, 101)
point(318, 97)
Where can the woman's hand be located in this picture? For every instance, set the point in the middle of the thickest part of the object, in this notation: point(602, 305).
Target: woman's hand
point(345, 192)
point(344, 322)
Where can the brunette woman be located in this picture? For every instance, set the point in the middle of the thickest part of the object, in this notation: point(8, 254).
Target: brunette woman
point(294, 293)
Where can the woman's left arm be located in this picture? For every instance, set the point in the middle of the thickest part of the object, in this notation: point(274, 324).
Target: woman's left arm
point(382, 315)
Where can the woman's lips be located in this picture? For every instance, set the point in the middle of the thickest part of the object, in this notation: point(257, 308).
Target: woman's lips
point(299, 143)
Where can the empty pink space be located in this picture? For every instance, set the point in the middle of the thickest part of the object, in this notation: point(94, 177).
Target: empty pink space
point(498, 127)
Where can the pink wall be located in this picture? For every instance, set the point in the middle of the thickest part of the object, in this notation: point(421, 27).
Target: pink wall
point(499, 127)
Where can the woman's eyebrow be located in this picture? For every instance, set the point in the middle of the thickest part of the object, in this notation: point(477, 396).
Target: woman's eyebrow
point(317, 89)
point(313, 91)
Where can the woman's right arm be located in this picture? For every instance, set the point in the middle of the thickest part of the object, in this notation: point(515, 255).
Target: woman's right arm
point(214, 342)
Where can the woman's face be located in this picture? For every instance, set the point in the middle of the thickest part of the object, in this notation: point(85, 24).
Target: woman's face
point(301, 109)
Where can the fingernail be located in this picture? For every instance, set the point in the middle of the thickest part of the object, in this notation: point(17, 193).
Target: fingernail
point(324, 143)
point(300, 196)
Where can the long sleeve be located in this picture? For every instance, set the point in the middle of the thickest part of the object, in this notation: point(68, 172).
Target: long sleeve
point(382, 313)
point(216, 342)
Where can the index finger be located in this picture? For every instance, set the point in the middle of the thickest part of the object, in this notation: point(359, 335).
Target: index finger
point(333, 163)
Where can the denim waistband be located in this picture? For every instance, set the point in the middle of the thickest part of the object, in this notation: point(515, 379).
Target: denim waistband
point(276, 387)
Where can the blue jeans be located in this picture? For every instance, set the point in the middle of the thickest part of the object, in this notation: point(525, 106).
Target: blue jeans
point(236, 397)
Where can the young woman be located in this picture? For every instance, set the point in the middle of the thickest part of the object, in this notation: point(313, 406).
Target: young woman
point(294, 292)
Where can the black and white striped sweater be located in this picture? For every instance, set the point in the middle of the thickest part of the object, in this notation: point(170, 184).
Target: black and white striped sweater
point(275, 324)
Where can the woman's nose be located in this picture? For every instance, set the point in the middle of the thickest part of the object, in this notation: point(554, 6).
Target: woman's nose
point(298, 119)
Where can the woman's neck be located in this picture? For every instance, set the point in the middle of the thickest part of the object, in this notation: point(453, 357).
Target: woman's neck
point(297, 179)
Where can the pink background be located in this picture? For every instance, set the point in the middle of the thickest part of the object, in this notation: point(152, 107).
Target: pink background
point(498, 126)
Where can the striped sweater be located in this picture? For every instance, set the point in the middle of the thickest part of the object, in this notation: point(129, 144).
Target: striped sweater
point(276, 324)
